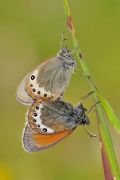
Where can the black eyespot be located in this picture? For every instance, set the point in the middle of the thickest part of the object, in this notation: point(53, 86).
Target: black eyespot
point(44, 129)
point(38, 92)
point(32, 77)
point(38, 125)
point(34, 120)
point(37, 107)
point(33, 90)
point(35, 114)
point(45, 95)
point(31, 85)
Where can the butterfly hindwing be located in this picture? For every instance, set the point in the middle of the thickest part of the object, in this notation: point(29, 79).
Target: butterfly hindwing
point(30, 88)
point(48, 80)
point(35, 141)
point(50, 116)
point(21, 94)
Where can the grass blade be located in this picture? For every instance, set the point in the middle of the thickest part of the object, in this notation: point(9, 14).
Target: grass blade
point(110, 113)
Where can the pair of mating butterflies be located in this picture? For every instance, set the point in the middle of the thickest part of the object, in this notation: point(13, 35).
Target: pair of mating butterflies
point(49, 119)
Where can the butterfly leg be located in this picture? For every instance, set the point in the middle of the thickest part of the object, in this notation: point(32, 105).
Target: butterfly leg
point(80, 73)
point(89, 132)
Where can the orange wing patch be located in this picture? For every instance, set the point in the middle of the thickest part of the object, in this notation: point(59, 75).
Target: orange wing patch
point(35, 141)
point(45, 140)
point(37, 93)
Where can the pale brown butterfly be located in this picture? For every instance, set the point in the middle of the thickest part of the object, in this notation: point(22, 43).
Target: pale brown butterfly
point(49, 122)
point(48, 80)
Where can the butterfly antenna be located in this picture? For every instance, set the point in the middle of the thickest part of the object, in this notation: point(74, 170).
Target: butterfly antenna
point(85, 97)
point(89, 132)
point(63, 39)
point(92, 107)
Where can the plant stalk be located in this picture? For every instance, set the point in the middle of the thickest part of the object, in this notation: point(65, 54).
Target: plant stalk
point(111, 171)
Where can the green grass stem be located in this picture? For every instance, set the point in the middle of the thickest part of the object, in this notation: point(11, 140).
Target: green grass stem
point(110, 166)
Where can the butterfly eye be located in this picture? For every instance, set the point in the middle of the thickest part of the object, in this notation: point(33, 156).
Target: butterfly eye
point(32, 77)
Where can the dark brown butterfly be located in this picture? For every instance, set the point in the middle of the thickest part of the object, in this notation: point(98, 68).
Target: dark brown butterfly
point(49, 122)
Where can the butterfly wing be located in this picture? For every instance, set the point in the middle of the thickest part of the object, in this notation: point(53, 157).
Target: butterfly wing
point(50, 116)
point(35, 141)
point(47, 81)
point(29, 89)
point(21, 94)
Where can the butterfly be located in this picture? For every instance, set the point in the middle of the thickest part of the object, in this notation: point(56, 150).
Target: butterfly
point(48, 80)
point(49, 122)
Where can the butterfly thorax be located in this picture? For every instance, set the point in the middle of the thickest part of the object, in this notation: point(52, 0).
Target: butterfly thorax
point(65, 56)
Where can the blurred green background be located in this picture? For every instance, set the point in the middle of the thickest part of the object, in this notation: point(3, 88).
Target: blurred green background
point(30, 32)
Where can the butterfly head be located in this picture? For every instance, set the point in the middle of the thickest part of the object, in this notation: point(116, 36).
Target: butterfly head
point(66, 57)
point(80, 115)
